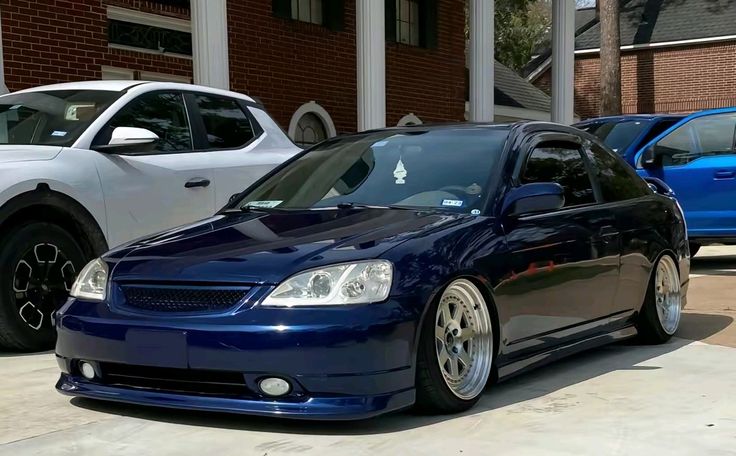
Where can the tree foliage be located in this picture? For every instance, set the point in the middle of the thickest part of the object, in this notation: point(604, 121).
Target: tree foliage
point(522, 27)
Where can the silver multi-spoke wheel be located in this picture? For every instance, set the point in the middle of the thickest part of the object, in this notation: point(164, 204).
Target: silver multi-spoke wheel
point(464, 339)
point(667, 294)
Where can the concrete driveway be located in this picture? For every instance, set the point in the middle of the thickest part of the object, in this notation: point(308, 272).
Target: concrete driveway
point(675, 399)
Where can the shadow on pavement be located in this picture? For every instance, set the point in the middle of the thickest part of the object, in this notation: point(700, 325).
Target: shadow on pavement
point(699, 326)
point(541, 382)
point(713, 265)
point(15, 354)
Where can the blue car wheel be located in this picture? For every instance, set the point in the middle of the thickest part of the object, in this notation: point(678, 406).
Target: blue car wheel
point(455, 355)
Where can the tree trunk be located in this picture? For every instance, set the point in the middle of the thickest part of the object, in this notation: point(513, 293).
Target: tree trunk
point(610, 58)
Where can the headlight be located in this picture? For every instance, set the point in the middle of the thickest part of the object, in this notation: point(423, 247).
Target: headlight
point(350, 283)
point(91, 283)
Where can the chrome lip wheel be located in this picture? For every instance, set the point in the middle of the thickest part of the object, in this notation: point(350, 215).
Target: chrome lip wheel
point(667, 295)
point(41, 283)
point(464, 339)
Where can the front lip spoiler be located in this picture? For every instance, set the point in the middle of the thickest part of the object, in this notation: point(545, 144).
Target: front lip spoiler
point(315, 408)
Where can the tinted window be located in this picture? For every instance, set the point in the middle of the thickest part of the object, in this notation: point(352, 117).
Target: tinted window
point(160, 112)
point(701, 137)
point(55, 117)
point(616, 134)
point(226, 124)
point(440, 168)
point(564, 166)
point(656, 130)
point(617, 180)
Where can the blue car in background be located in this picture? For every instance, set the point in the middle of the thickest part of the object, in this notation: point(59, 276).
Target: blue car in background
point(627, 134)
point(697, 159)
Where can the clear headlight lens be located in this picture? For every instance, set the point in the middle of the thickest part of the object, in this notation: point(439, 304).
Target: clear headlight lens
point(350, 283)
point(91, 283)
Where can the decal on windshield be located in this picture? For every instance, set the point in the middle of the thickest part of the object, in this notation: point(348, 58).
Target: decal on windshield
point(265, 204)
point(475, 212)
point(453, 203)
point(58, 133)
point(400, 173)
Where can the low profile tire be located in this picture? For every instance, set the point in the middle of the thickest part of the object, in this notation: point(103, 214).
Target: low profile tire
point(38, 264)
point(662, 309)
point(694, 249)
point(455, 353)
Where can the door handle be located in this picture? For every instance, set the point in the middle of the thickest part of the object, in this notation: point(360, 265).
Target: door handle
point(197, 182)
point(724, 174)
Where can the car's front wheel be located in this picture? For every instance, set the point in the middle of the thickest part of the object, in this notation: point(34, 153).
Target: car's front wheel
point(662, 309)
point(38, 264)
point(455, 353)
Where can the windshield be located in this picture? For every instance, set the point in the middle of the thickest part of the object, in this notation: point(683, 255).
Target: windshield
point(615, 134)
point(443, 168)
point(52, 118)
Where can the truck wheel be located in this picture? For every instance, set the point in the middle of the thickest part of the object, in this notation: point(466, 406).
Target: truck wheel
point(38, 264)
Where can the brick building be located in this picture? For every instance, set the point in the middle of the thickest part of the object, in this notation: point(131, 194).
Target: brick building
point(676, 56)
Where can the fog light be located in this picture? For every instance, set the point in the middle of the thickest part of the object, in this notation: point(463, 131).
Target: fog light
point(274, 386)
point(87, 370)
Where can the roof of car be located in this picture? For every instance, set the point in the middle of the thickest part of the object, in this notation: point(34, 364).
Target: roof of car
point(123, 85)
point(625, 117)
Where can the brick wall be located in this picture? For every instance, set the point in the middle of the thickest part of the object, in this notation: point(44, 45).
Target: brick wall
point(288, 63)
point(51, 41)
point(675, 79)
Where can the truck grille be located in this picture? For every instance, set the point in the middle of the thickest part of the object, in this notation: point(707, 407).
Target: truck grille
point(177, 299)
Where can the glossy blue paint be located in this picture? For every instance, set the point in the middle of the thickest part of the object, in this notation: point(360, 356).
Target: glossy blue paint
point(557, 282)
point(704, 187)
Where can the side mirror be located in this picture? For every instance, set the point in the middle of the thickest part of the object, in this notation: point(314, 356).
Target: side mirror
point(649, 158)
point(130, 139)
point(532, 198)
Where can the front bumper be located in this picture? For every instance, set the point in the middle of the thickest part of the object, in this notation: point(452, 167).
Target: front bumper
point(343, 363)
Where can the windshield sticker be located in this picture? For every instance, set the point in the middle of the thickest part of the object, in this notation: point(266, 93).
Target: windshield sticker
point(58, 133)
point(453, 203)
point(265, 204)
point(400, 173)
point(475, 212)
point(473, 189)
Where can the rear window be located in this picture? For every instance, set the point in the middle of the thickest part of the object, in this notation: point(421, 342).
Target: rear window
point(618, 135)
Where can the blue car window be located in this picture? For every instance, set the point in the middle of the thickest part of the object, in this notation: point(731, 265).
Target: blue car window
point(563, 166)
point(442, 168)
point(616, 134)
point(617, 180)
point(701, 137)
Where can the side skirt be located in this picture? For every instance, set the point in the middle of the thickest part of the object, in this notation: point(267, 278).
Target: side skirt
point(540, 359)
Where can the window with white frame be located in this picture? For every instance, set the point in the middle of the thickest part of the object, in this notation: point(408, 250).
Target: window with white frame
point(149, 33)
point(407, 22)
point(310, 124)
point(307, 11)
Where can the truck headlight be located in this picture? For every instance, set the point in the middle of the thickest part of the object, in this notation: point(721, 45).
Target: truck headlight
point(361, 282)
point(91, 283)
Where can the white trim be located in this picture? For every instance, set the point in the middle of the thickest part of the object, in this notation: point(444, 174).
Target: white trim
point(117, 74)
point(163, 77)
point(410, 118)
point(480, 59)
point(370, 47)
point(148, 51)
point(211, 63)
point(563, 61)
point(312, 108)
point(154, 20)
point(633, 47)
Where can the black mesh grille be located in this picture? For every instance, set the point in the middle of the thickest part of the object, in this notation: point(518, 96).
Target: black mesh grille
point(181, 300)
point(201, 382)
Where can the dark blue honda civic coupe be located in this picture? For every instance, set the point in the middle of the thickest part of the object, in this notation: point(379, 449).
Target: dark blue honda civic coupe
point(382, 270)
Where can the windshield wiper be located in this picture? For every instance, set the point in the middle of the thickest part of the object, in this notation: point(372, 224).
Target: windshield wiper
point(351, 205)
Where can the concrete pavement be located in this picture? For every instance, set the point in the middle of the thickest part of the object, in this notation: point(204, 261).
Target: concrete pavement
point(674, 399)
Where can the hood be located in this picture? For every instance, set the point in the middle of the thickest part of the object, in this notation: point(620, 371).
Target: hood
point(19, 153)
point(267, 248)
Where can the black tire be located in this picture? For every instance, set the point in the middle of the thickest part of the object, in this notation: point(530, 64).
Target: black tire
point(694, 248)
point(38, 262)
point(648, 325)
point(433, 394)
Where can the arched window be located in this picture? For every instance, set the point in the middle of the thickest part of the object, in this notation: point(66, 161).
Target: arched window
point(310, 124)
point(409, 119)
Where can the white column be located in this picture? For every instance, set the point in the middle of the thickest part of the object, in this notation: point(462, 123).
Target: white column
point(563, 60)
point(371, 49)
point(3, 87)
point(481, 60)
point(209, 43)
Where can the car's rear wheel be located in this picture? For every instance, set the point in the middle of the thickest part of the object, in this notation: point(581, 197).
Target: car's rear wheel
point(694, 249)
point(38, 264)
point(455, 353)
point(662, 309)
